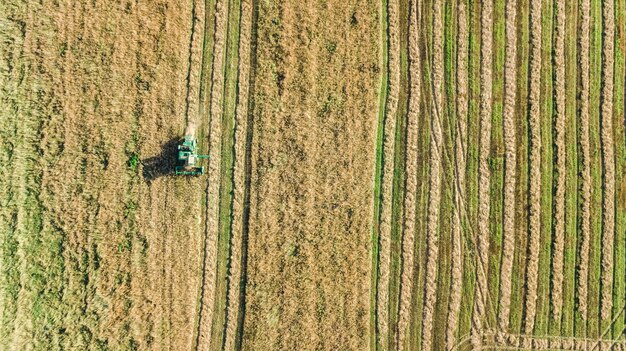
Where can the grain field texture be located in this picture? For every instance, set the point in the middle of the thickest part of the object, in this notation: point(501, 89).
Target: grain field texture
point(308, 239)
point(380, 175)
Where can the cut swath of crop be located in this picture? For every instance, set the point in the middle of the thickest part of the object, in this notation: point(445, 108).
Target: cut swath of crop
point(560, 167)
point(583, 265)
point(410, 199)
point(534, 216)
point(608, 159)
point(207, 291)
point(510, 144)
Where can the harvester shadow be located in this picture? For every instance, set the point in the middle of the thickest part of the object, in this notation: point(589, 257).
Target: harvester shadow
point(163, 164)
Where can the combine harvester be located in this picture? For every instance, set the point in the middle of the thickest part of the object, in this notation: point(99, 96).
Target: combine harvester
point(188, 158)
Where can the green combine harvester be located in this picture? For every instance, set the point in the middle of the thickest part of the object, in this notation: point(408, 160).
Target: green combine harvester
point(188, 158)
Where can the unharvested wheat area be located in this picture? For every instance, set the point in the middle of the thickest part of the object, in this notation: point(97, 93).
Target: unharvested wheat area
point(313, 175)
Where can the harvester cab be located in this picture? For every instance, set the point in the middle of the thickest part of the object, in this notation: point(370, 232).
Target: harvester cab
point(188, 158)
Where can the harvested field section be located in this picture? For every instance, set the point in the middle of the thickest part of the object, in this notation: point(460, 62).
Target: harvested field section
point(309, 226)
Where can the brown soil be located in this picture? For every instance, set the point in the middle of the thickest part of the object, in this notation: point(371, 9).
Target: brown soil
point(313, 157)
point(410, 199)
point(559, 140)
point(239, 177)
point(389, 135)
point(534, 216)
point(608, 159)
point(583, 266)
point(434, 198)
point(510, 181)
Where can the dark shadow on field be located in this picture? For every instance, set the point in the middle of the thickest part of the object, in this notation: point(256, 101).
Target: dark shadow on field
point(163, 164)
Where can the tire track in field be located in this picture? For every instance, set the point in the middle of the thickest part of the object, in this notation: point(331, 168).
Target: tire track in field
point(583, 269)
point(510, 166)
point(534, 225)
point(560, 167)
point(483, 170)
point(608, 159)
point(242, 129)
point(460, 166)
point(410, 199)
point(391, 108)
point(207, 290)
point(436, 150)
